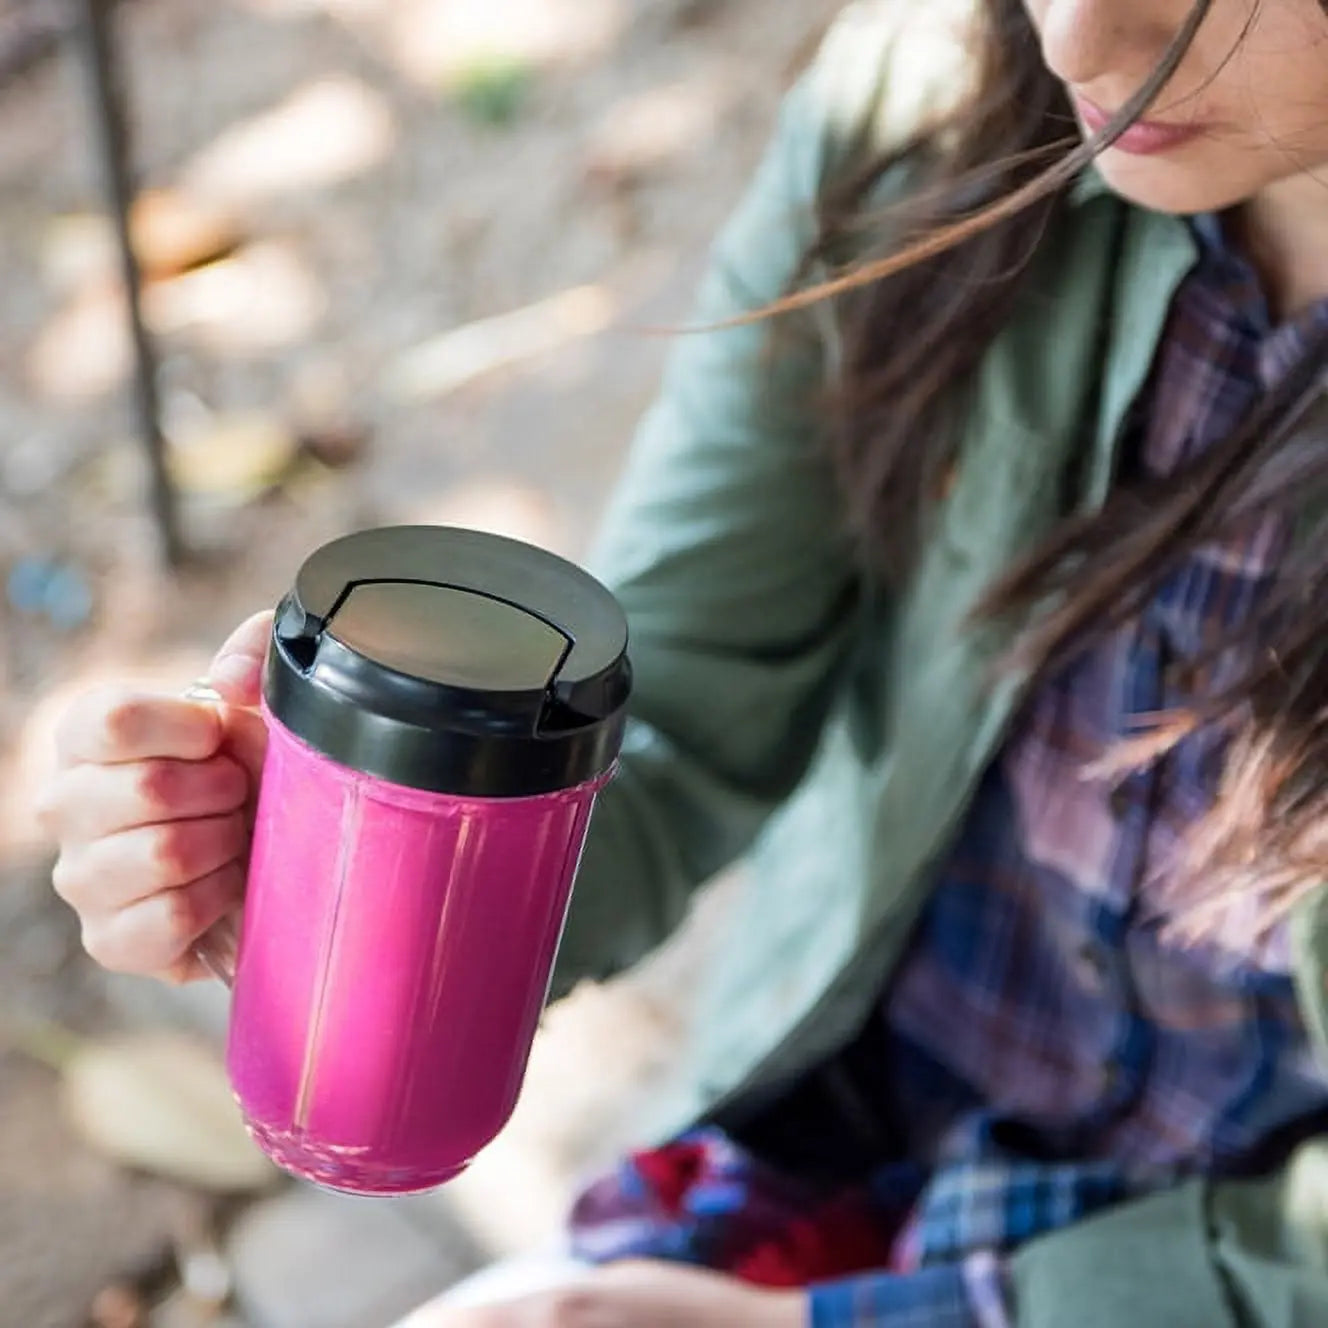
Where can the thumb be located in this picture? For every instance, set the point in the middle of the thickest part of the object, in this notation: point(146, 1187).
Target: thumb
point(236, 673)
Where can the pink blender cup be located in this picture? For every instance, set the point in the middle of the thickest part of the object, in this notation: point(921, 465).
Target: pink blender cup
point(443, 708)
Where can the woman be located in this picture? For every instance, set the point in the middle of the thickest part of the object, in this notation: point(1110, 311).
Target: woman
point(982, 592)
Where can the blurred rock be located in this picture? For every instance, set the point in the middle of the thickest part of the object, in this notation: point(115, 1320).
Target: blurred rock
point(77, 248)
point(431, 39)
point(313, 1259)
point(233, 458)
point(206, 1277)
point(182, 1311)
point(651, 130)
point(321, 389)
point(202, 1008)
point(41, 971)
point(83, 349)
point(696, 13)
point(330, 129)
point(29, 31)
point(32, 464)
point(161, 1102)
point(71, 1224)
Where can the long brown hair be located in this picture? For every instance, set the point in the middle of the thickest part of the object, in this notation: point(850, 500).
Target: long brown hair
point(987, 184)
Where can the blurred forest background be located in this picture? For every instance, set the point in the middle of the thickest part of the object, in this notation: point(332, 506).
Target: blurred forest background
point(398, 255)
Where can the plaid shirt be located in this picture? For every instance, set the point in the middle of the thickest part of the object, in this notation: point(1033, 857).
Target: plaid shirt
point(1049, 1050)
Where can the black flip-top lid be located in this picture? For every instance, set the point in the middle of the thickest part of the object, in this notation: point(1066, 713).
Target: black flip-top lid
point(453, 661)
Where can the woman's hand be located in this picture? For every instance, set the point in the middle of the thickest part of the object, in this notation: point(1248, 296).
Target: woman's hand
point(151, 808)
point(635, 1294)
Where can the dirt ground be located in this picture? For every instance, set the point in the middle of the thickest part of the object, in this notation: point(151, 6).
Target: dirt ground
point(385, 172)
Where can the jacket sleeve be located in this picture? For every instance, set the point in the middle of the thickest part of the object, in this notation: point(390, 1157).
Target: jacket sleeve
point(725, 546)
point(1227, 1254)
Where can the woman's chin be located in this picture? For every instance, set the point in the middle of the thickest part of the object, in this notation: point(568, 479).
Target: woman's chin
point(1162, 184)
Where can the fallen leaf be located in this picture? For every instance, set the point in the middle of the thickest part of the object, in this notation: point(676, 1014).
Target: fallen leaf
point(263, 296)
point(174, 234)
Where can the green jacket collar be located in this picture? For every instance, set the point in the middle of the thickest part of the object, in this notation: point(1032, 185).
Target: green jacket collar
point(1088, 186)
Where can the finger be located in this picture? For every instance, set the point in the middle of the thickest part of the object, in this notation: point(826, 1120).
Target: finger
point(237, 670)
point(155, 934)
point(91, 801)
point(245, 741)
point(554, 1292)
point(108, 874)
point(188, 968)
point(113, 726)
point(443, 1313)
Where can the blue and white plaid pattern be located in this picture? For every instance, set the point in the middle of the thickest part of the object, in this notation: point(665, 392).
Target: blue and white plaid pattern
point(1052, 1051)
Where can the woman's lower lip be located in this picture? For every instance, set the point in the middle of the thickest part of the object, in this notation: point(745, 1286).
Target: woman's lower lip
point(1145, 139)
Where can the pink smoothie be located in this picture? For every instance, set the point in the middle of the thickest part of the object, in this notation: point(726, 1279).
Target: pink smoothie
point(394, 961)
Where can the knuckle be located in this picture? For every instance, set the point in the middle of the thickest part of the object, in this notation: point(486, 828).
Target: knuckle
point(100, 943)
point(179, 973)
point(72, 725)
point(72, 882)
point(171, 852)
point(122, 721)
point(184, 916)
point(156, 786)
point(233, 836)
point(62, 879)
point(47, 811)
point(231, 778)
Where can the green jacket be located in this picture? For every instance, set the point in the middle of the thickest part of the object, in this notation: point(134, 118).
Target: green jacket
point(786, 706)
